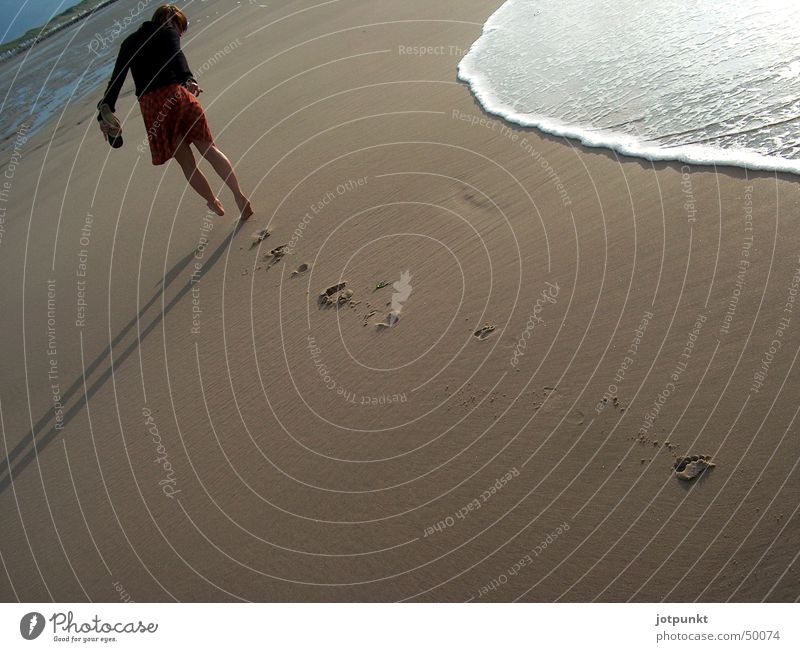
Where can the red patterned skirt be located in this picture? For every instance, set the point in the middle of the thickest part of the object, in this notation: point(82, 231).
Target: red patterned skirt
point(172, 115)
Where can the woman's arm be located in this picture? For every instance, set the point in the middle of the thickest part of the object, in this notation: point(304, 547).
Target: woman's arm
point(121, 67)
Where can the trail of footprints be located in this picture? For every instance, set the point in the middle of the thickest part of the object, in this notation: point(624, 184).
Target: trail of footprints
point(338, 295)
point(686, 468)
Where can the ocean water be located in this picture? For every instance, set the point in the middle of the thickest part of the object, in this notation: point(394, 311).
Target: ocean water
point(38, 84)
point(18, 16)
point(701, 81)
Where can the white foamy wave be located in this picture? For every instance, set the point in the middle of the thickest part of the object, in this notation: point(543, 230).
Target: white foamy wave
point(713, 82)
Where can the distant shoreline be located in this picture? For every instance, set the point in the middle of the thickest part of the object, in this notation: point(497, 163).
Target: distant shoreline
point(53, 26)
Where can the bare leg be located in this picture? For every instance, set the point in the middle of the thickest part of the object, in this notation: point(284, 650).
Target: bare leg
point(222, 166)
point(196, 178)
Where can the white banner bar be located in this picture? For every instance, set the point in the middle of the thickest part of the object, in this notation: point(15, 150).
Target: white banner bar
point(398, 627)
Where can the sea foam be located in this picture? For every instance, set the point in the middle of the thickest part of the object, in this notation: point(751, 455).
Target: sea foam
point(712, 82)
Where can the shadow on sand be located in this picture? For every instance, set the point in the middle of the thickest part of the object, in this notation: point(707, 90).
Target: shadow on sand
point(36, 440)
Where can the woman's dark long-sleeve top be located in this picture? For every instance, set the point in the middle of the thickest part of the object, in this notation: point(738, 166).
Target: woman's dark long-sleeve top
point(153, 55)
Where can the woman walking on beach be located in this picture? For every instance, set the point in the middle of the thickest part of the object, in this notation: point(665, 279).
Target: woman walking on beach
point(172, 114)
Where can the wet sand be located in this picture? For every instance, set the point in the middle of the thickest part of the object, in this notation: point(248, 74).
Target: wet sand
point(183, 417)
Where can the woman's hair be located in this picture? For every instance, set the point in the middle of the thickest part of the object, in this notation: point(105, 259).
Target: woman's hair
point(171, 14)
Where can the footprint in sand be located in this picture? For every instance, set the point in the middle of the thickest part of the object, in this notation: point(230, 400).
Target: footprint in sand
point(258, 236)
point(475, 198)
point(485, 331)
point(391, 320)
point(369, 316)
point(576, 417)
point(279, 251)
point(614, 401)
point(302, 269)
point(692, 466)
point(326, 296)
point(275, 255)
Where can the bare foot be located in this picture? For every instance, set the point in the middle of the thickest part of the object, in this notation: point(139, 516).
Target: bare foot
point(245, 209)
point(216, 206)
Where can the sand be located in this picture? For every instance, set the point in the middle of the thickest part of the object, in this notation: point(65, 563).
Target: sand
point(184, 420)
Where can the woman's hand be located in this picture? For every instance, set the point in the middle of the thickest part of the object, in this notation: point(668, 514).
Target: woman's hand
point(193, 87)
